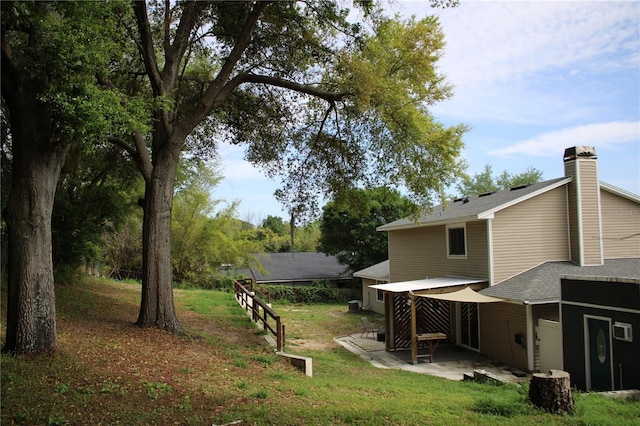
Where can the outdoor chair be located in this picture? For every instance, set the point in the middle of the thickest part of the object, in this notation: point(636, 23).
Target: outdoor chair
point(368, 328)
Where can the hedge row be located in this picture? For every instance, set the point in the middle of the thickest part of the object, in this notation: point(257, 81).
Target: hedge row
point(316, 293)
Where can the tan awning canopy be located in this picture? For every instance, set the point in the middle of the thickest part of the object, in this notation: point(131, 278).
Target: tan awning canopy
point(464, 295)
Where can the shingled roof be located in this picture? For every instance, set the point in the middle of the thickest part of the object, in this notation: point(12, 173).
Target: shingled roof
point(542, 283)
point(297, 267)
point(378, 272)
point(477, 206)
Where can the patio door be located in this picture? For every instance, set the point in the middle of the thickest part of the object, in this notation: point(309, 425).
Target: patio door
point(468, 325)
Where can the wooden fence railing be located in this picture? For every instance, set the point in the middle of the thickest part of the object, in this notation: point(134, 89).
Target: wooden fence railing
point(260, 310)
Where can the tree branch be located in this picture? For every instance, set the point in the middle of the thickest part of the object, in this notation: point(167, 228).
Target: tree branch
point(303, 166)
point(139, 153)
point(9, 68)
point(142, 158)
point(146, 48)
point(167, 25)
point(327, 95)
point(213, 91)
point(174, 52)
point(122, 144)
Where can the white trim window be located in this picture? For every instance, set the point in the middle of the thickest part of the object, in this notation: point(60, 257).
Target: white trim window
point(380, 293)
point(457, 241)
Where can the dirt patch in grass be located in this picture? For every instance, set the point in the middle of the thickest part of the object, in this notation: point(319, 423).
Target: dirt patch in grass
point(107, 370)
point(307, 344)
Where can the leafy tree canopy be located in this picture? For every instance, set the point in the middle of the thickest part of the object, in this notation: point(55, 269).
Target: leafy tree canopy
point(350, 233)
point(274, 236)
point(324, 104)
point(379, 131)
point(485, 181)
point(275, 224)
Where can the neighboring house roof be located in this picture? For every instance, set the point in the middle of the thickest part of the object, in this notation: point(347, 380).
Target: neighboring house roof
point(542, 283)
point(477, 206)
point(377, 272)
point(304, 266)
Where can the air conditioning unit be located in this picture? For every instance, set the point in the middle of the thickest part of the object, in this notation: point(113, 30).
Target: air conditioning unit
point(622, 331)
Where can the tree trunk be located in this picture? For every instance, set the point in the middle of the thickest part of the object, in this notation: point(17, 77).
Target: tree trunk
point(156, 307)
point(552, 391)
point(36, 165)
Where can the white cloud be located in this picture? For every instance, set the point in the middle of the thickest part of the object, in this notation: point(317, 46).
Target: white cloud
point(502, 41)
point(602, 135)
point(551, 63)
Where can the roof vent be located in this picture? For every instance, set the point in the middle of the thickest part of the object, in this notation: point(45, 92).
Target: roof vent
point(466, 200)
point(487, 193)
point(515, 188)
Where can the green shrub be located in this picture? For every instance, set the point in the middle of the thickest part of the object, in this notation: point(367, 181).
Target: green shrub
point(320, 292)
point(215, 282)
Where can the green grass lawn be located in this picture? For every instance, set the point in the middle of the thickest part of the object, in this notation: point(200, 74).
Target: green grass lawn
point(107, 371)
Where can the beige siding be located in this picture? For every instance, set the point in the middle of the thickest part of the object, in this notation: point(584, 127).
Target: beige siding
point(369, 297)
point(499, 323)
point(422, 252)
point(584, 211)
point(530, 233)
point(589, 201)
point(620, 226)
point(572, 211)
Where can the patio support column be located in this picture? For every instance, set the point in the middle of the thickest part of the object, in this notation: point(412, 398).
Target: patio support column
point(388, 320)
point(530, 333)
point(414, 330)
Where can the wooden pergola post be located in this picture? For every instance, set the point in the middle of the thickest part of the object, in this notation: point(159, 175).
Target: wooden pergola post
point(389, 317)
point(414, 329)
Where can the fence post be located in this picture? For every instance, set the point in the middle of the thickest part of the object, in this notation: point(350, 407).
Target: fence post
point(279, 334)
point(255, 309)
point(249, 297)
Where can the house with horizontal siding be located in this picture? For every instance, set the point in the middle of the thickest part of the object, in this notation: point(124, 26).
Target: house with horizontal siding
point(514, 245)
point(372, 298)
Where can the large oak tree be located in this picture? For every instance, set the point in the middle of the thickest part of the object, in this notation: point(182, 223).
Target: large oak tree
point(51, 53)
point(324, 104)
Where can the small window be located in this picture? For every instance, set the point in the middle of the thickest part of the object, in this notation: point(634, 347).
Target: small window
point(456, 241)
point(380, 296)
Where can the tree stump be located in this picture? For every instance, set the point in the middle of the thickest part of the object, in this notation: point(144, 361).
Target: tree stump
point(551, 391)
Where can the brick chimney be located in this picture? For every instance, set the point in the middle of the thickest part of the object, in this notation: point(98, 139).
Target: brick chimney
point(585, 224)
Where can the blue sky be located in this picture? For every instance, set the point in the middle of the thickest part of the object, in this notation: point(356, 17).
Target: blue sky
point(530, 79)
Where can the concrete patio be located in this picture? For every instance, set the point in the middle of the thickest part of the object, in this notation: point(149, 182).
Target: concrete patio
point(448, 362)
